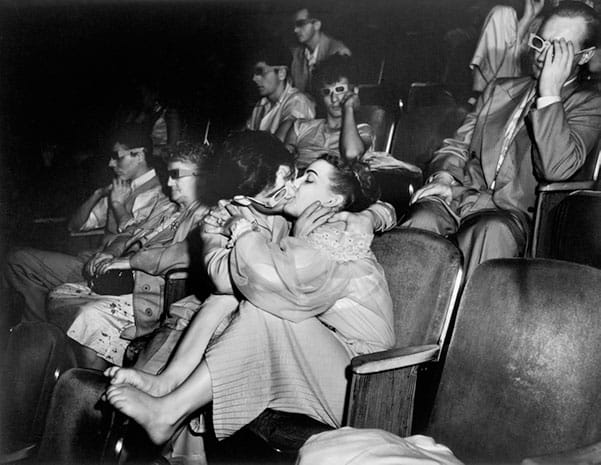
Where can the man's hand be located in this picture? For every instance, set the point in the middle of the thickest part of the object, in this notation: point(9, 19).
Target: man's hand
point(434, 189)
point(91, 267)
point(114, 264)
point(350, 101)
point(120, 191)
point(357, 223)
point(557, 68)
point(310, 219)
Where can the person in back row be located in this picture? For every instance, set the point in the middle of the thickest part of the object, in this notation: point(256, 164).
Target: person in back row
point(134, 197)
point(338, 133)
point(314, 47)
point(281, 103)
point(523, 131)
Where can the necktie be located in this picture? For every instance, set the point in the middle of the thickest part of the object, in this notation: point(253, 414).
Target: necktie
point(515, 123)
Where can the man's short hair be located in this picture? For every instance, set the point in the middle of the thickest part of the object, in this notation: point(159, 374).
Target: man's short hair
point(133, 136)
point(248, 161)
point(578, 9)
point(334, 68)
point(276, 54)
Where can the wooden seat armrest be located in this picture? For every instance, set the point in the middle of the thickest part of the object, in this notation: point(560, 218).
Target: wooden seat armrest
point(587, 454)
point(565, 186)
point(394, 358)
point(176, 273)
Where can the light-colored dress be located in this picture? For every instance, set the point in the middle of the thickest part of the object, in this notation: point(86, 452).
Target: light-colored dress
point(311, 305)
point(106, 323)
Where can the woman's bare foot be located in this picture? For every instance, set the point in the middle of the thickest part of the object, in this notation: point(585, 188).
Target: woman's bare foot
point(154, 414)
point(150, 384)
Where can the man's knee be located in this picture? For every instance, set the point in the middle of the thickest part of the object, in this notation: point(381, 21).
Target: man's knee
point(490, 235)
point(431, 216)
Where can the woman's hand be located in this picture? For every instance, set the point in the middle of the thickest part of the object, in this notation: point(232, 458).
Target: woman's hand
point(311, 218)
point(115, 264)
point(221, 219)
point(214, 221)
point(93, 264)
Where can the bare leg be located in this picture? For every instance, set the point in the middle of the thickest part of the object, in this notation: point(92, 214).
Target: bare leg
point(161, 416)
point(188, 354)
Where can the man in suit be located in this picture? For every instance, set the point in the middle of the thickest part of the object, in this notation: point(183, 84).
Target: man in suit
point(523, 131)
point(314, 47)
point(134, 197)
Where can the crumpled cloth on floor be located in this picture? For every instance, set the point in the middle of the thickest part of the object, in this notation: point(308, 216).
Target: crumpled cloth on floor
point(352, 446)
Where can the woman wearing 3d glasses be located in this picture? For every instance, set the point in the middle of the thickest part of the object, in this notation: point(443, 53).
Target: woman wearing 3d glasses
point(103, 323)
point(338, 133)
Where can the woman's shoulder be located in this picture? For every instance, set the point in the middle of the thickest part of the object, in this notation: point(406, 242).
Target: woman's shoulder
point(341, 245)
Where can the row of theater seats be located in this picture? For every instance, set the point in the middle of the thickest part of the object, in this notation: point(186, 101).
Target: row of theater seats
point(522, 345)
point(499, 370)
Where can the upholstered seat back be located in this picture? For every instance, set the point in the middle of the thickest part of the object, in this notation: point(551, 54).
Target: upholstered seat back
point(576, 224)
point(522, 374)
point(422, 272)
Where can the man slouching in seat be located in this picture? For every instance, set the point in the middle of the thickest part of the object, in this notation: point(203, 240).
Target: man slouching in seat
point(523, 131)
point(134, 196)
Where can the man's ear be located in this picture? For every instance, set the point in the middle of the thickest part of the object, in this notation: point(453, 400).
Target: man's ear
point(283, 173)
point(317, 25)
point(586, 56)
point(282, 73)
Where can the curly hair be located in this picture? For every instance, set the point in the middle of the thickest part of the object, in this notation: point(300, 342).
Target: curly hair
point(354, 181)
point(195, 153)
point(334, 68)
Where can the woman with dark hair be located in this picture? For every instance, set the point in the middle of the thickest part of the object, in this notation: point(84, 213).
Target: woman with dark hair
point(310, 303)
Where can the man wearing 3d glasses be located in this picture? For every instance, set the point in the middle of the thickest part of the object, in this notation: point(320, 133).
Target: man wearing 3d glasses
point(523, 131)
point(134, 197)
point(280, 102)
point(314, 47)
point(338, 133)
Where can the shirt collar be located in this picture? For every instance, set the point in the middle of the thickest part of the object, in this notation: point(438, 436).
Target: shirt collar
point(267, 103)
point(142, 179)
point(311, 56)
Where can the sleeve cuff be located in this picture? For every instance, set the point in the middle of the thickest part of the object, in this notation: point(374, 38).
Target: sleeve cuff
point(543, 102)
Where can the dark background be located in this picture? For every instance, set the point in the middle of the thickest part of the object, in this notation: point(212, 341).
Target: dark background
point(67, 67)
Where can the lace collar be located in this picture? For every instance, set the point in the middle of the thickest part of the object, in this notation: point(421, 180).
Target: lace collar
point(340, 245)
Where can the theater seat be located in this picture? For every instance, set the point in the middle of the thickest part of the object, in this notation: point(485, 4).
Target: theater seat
point(576, 223)
point(549, 195)
point(424, 273)
point(521, 376)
